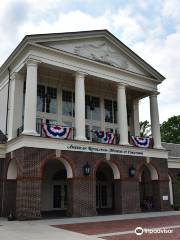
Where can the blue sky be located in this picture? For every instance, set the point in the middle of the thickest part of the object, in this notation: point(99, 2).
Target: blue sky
point(150, 28)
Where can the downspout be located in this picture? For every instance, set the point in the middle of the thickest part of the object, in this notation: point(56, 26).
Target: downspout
point(7, 109)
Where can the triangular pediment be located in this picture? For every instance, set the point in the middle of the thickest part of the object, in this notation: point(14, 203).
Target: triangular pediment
point(99, 50)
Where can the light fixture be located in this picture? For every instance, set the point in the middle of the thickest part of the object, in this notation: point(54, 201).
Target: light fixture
point(87, 169)
point(132, 171)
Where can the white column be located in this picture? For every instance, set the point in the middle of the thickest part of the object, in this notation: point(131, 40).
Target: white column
point(155, 125)
point(11, 106)
point(15, 104)
point(122, 114)
point(102, 114)
point(30, 98)
point(59, 105)
point(136, 117)
point(80, 107)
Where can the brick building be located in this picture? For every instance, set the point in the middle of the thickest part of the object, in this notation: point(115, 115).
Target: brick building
point(69, 109)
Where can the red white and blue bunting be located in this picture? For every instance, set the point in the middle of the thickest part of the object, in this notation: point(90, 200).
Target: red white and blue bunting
point(105, 137)
point(56, 131)
point(141, 141)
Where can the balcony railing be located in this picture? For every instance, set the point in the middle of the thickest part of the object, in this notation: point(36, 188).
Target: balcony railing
point(68, 133)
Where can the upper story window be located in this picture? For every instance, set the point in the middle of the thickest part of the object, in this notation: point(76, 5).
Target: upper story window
point(93, 108)
point(40, 98)
point(110, 111)
point(46, 99)
point(51, 100)
point(68, 100)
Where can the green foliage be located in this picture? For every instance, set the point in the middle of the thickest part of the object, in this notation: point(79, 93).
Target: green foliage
point(170, 130)
point(145, 129)
point(176, 207)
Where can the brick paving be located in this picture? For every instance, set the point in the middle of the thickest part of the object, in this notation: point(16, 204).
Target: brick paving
point(173, 236)
point(94, 228)
point(106, 227)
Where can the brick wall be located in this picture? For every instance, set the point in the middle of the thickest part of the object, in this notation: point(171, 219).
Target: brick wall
point(173, 172)
point(81, 189)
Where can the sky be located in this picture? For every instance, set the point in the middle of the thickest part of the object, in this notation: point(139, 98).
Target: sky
point(151, 28)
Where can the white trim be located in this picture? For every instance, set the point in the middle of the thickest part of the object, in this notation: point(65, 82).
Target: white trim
point(75, 63)
point(153, 172)
point(174, 162)
point(2, 151)
point(80, 35)
point(171, 191)
point(115, 170)
point(12, 170)
point(69, 145)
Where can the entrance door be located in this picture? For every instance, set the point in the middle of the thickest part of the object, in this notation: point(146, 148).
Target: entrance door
point(60, 196)
point(104, 197)
point(101, 196)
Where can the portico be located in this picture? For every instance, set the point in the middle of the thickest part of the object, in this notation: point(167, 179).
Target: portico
point(79, 82)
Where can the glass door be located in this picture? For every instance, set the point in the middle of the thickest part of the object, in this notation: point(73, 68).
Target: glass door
point(101, 195)
point(60, 196)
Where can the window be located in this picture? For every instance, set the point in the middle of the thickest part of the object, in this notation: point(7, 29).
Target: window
point(46, 99)
point(110, 111)
point(87, 129)
point(38, 125)
point(40, 98)
point(93, 108)
point(68, 100)
point(115, 111)
point(51, 100)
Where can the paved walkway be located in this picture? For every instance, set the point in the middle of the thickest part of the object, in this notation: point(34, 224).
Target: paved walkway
point(114, 227)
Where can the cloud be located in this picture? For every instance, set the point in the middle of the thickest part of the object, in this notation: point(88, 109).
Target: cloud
point(151, 30)
point(162, 54)
point(127, 22)
point(171, 9)
point(72, 21)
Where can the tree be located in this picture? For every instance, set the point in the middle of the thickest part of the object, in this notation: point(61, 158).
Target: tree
point(170, 130)
point(145, 128)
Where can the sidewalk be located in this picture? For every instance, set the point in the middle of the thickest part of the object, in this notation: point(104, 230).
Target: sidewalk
point(42, 229)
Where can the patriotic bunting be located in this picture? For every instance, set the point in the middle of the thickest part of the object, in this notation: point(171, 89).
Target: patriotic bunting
point(55, 131)
point(141, 141)
point(105, 137)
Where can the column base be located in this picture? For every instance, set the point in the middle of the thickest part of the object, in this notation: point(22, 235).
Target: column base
point(159, 147)
point(81, 139)
point(32, 133)
point(124, 143)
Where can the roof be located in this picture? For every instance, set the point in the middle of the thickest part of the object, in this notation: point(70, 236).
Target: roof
point(36, 38)
point(172, 148)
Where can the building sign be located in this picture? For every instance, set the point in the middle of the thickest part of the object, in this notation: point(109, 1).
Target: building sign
point(108, 149)
point(165, 198)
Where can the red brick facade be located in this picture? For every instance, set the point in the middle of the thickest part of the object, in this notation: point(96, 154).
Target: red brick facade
point(23, 196)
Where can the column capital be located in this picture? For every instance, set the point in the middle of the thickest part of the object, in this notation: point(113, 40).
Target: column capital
point(80, 74)
point(32, 62)
point(154, 94)
point(121, 85)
